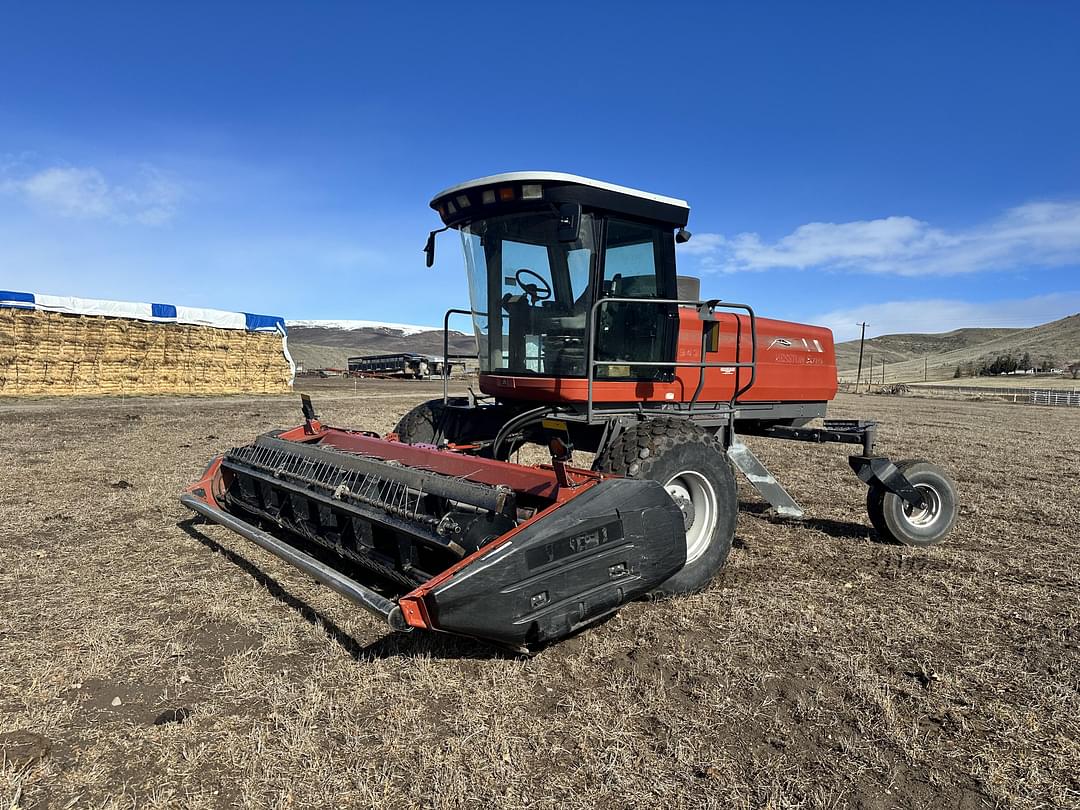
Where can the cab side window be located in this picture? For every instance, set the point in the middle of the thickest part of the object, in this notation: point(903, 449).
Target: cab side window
point(631, 260)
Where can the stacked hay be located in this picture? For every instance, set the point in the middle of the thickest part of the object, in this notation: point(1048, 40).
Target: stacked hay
point(52, 353)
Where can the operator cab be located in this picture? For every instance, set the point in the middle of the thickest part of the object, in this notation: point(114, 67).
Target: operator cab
point(542, 247)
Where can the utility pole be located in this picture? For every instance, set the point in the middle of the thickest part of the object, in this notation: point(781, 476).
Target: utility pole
point(882, 370)
point(924, 367)
point(862, 340)
point(870, 376)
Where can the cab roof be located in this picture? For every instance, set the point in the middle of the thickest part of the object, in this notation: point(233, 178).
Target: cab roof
point(503, 193)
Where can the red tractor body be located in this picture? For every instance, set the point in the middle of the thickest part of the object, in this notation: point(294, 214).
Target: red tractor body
point(795, 363)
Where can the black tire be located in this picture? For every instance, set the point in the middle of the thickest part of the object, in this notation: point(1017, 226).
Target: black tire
point(420, 425)
point(898, 522)
point(432, 422)
point(660, 449)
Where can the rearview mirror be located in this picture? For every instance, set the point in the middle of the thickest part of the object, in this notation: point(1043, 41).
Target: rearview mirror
point(569, 222)
point(429, 248)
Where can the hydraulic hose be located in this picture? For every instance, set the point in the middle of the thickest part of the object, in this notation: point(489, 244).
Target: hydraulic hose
point(519, 421)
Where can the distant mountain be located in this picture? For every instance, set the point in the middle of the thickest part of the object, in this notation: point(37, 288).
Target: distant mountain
point(906, 355)
point(352, 325)
point(329, 344)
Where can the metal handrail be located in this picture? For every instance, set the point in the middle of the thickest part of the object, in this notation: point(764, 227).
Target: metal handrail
point(446, 349)
point(703, 308)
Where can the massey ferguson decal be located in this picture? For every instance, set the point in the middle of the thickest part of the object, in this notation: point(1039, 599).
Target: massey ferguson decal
point(812, 347)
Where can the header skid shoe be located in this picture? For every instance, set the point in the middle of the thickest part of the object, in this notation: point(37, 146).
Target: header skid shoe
point(429, 538)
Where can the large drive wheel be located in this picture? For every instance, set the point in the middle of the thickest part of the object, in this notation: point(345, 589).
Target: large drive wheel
point(899, 521)
point(693, 467)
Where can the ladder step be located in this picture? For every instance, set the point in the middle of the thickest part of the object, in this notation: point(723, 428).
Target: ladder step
point(763, 481)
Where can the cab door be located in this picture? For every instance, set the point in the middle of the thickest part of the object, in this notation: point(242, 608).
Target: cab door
point(638, 261)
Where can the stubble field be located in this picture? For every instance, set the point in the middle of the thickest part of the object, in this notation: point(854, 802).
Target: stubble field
point(149, 661)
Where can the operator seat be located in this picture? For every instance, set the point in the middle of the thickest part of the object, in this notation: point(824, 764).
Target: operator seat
point(630, 331)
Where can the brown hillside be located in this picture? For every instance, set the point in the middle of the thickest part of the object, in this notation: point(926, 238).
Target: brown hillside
point(897, 348)
point(330, 347)
point(1058, 341)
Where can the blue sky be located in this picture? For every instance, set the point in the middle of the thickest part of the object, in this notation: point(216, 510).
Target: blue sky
point(916, 166)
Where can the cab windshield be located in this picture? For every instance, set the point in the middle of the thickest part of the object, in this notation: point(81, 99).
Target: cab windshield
point(530, 293)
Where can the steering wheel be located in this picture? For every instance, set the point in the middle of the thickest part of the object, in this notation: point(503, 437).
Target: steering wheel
point(537, 293)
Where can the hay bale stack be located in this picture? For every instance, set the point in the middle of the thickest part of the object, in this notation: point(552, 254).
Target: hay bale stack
point(45, 352)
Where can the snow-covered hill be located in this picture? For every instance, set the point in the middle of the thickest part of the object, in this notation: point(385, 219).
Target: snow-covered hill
point(351, 325)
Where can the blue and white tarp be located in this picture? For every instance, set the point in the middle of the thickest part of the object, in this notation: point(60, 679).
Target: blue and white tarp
point(166, 313)
point(162, 313)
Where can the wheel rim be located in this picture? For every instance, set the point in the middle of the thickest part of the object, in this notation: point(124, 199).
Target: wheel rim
point(929, 512)
point(696, 498)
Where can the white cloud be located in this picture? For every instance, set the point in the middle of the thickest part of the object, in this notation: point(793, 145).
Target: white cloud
point(1040, 234)
point(703, 244)
point(944, 315)
point(69, 192)
point(149, 197)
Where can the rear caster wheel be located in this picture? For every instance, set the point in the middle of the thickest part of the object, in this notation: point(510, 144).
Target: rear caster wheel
point(696, 473)
point(900, 522)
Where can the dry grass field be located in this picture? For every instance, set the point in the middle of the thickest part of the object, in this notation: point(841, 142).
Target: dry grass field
point(161, 663)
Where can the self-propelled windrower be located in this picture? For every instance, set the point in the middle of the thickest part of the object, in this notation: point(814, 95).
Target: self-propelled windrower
point(588, 340)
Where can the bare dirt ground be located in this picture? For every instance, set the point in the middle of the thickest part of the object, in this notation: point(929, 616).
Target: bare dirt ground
point(165, 664)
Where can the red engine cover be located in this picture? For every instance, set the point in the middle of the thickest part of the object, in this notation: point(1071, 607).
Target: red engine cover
point(795, 363)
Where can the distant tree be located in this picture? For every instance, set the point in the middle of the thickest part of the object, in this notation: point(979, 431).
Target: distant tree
point(1003, 364)
point(1074, 369)
point(956, 374)
point(1025, 362)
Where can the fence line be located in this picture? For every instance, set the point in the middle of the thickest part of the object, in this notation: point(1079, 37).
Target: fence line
point(1066, 397)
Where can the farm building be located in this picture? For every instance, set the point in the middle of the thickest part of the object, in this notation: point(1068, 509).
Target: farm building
point(60, 345)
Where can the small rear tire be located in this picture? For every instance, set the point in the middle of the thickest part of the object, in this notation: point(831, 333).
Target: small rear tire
point(900, 522)
point(695, 470)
